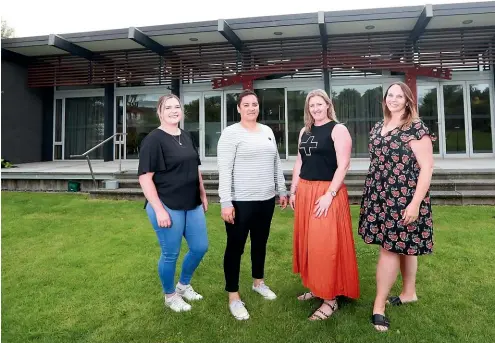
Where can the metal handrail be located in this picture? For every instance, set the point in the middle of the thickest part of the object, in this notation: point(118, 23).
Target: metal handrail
point(86, 155)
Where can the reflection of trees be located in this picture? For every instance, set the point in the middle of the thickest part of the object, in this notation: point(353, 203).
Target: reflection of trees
point(480, 118)
point(428, 111)
point(295, 114)
point(359, 113)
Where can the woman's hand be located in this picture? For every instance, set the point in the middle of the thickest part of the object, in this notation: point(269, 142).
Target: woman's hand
point(292, 201)
point(163, 218)
point(323, 204)
point(411, 213)
point(283, 202)
point(228, 214)
point(204, 201)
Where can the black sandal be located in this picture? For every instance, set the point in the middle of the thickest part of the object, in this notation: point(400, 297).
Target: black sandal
point(380, 320)
point(395, 301)
point(320, 315)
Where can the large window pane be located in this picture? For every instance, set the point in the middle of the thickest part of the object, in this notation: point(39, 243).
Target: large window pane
point(83, 126)
point(141, 119)
point(455, 135)
point(428, 110)
point(272, 114)
point(295, 117)
point(191, 116)
point(213, 122)
point(233, 115)
point(359, 108)
point(480, 118)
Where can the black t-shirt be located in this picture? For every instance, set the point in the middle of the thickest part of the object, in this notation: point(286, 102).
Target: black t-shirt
point(175, 166)
point(319, 160)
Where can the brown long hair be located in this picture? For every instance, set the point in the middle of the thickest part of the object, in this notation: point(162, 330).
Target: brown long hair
point(163, 99)
point(308, 118)
point(410, 112)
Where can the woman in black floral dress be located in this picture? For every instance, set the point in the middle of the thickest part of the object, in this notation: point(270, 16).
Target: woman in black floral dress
point(396, 207)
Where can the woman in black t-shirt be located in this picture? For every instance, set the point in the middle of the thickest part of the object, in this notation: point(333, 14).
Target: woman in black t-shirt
point(176, 200)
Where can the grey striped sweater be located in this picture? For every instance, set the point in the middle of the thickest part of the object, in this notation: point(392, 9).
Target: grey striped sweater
point(249, 166)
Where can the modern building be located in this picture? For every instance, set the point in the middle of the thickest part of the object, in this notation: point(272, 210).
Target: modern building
point(63, 94)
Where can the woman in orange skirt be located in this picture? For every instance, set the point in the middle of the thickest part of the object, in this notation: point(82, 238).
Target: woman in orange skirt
point(323, 244)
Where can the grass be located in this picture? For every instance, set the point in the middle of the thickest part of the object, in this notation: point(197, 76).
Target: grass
point(80, 270)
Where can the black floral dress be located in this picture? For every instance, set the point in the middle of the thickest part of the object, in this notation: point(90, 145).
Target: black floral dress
point(389, 188)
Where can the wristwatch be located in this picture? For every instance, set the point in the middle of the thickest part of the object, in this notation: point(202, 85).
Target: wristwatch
point(333, 193)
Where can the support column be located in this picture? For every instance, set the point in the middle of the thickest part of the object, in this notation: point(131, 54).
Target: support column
point(108, 122)
point(47, 126)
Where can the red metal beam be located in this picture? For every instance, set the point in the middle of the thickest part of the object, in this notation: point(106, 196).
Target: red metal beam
point(247, 77)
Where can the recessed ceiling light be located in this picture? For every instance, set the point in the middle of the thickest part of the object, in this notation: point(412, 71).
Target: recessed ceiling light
point(468, 21)
point(193, 39)
point(369, 27)
point(278, 33)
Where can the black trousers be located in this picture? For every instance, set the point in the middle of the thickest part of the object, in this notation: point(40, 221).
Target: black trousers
point(254, 218)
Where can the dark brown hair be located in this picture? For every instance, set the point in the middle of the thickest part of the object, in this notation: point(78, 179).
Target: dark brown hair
point(244, 93)
point(410, 112)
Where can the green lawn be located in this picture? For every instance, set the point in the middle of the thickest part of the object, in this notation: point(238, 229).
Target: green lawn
point(79, 270)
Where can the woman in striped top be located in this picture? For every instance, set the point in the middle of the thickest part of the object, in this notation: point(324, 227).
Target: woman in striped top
point(250, 174)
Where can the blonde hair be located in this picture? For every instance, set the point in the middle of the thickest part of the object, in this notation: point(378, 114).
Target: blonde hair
point(308, 118)
point(163, 99)
point(410, 112)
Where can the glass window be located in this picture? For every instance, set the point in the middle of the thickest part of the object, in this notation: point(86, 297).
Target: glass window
point(272, 114)
point(428, 111)
point(84, 126)
point(359, 108)
point(295, 117)
point(141, 119)
point(233, 115)
point(455, 132)
point(191, 116)
point(481, 118)
point(213, 122)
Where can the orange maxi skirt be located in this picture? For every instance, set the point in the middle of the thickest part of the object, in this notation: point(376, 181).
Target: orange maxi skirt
point(324, 253)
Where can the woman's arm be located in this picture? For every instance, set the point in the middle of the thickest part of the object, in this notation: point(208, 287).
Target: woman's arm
point(149, 190)
point(202, 192)
point(423, 150)
point(343, 146)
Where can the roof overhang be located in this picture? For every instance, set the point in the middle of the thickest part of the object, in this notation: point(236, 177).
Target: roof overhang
point(415, 19)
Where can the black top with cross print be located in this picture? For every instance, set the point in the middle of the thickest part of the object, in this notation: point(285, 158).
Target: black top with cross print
point(319, 160)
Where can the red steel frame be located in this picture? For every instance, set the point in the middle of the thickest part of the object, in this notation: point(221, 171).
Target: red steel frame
point(247, 78)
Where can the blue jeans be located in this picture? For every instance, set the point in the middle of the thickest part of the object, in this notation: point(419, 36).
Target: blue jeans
point(190, 224)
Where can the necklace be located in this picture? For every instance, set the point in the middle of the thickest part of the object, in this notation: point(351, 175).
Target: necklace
point(175, 139)
point(178, 141)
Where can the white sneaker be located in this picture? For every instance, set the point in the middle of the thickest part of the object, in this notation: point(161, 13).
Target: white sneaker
point(176, 303)
point(238, 310)
point(265, 291)
point(188, 292)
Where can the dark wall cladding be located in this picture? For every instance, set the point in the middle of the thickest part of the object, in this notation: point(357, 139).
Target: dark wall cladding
point(456, 49)
point(22, 116)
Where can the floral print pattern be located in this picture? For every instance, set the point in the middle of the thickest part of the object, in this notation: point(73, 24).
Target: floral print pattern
point(389, 188)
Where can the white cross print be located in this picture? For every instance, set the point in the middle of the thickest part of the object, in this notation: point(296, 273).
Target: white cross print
point(308, 145)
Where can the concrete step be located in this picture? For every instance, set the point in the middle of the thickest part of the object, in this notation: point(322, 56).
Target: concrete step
point(466, 197)
point(439, 174)
point(357, 185)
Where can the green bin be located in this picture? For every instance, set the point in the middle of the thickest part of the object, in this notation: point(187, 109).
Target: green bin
point(74, 186)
